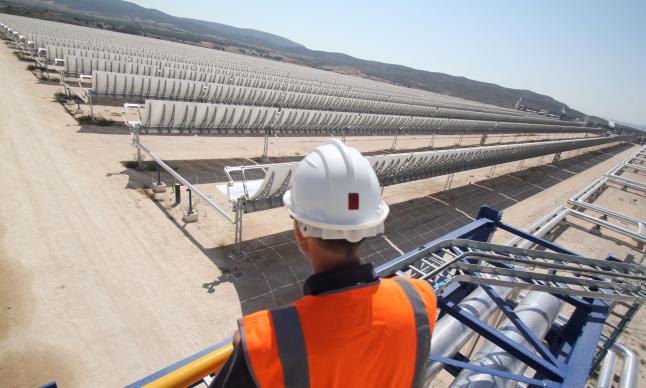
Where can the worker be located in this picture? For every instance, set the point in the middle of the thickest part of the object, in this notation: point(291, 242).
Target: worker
point(351, 329)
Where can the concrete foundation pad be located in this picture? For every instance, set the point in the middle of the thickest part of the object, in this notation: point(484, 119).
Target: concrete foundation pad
point(188, 218)
point(158, 187)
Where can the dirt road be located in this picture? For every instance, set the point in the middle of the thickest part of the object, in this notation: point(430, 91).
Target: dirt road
point(97, 287)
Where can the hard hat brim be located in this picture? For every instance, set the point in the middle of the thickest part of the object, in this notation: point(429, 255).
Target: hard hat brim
point(383, 210)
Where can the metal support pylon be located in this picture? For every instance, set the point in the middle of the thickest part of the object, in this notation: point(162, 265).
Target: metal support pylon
point(449, 182)
point(430, 144)
point(483, 139)
point(540, 161)
point(520, 164)
point(135, 138)
point(237, 253)
point(557, 157)
point(394, 145)
point(492, 171)
point(265, 148)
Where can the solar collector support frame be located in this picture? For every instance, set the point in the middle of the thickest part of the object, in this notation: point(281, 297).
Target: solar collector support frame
point(396, 168)
point(173, 118)
point(117, 85)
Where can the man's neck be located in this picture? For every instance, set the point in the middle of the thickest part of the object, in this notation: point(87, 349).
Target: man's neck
point(332, 263)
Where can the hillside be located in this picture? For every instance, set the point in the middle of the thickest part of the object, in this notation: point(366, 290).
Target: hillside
point(130, 18)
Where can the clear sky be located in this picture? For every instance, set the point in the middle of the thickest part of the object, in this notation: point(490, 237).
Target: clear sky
point(589, 54)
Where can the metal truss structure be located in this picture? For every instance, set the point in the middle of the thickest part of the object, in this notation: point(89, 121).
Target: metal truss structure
point(584, 199)
point(260, 194)
point(472, 278)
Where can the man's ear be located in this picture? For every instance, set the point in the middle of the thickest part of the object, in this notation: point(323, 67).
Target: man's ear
point(301, 240)
point(297, 232)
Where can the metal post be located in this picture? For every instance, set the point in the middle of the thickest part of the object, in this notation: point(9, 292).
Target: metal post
point(449, 182)
point(557, 157)
point(520, 164)
point(237, 253)
point(89, 100)
point(178, 194)
point(492, 171)
point(483, 139)
point(430, 145)
point(190, 201)
point(136, 136)
point(394, 146)
point(158, 174)
point(540, 161)
point(265, 149)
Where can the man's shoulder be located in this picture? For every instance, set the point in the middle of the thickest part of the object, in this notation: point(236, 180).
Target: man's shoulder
point(423, 288)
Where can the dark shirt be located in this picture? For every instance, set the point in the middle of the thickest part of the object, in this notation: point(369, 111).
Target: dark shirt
point(235, 371)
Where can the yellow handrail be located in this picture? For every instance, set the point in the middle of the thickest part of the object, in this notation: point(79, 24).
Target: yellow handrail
point(194, 370)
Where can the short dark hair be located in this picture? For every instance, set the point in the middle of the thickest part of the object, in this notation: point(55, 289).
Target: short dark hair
point(349, 248)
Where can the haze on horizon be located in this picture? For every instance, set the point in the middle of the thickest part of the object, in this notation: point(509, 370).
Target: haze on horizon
point(589, 54)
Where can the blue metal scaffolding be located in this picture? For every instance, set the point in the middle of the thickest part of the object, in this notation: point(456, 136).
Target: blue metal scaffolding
point(572, 347)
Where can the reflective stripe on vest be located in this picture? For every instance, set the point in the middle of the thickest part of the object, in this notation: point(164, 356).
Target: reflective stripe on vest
point(423, 331)
point(291, 347)
point(276, 347)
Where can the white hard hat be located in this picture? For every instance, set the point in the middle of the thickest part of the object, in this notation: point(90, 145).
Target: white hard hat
point(335, 194)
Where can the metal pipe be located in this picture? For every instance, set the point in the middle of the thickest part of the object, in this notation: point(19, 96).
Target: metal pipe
point(541, 227)
point(590, 189)
point(607, 225)
point(450, 335)
point(607, 372)
point(607, 212)
point(180, 178)
point(629, 374)
point(537, 310)
point(626, 181)
point(195, 370)
point(635, 167)
point(538, 229)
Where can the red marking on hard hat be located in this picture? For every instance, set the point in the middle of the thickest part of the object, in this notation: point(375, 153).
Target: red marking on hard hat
point(353, 201)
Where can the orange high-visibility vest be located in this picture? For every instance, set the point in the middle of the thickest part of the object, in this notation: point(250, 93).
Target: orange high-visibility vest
point(373, 335)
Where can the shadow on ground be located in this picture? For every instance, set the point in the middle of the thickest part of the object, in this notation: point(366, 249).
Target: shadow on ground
point(274, 270)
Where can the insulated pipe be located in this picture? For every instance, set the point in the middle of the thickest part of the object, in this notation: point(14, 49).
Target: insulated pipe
point(607, 372)
point(590, 190)
point(629, 371)
point(628, 182)
point(537, 310)
point(607, 225)
point(594, 186)
point(541, 227)
point(450, 335)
